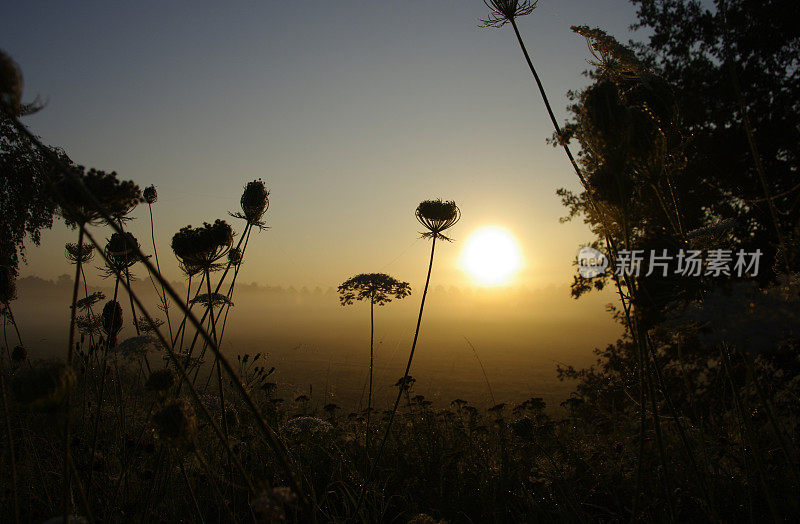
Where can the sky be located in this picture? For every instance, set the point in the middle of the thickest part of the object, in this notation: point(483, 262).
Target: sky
point(352, 112)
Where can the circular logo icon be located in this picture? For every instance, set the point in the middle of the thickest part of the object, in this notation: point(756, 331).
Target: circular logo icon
point(591, 262)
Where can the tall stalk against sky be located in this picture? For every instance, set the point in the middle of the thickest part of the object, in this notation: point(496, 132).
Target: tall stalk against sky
point(151, 196)
point(436, 216)
point(502, 12)
point(379, 289)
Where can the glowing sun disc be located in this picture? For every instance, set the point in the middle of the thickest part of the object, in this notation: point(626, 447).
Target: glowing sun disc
point(491, 256)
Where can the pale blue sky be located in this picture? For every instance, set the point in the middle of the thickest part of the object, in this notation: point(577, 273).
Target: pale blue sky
point(351, 111)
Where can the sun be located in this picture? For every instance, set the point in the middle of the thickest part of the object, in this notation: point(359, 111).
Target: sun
point(491, 256)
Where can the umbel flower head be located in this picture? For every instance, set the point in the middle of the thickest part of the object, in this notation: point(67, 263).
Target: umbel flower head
point(176, 423)
point(437, 216)
point(502, 12)
point(203, 246)
point(122, 252)
point(112, 320)
point(117, 198)
point(84, 253)
point(378, 288)
point(150, 194)
point(87, 302)
point(255, 202)
point(10, 85)
point(8, 285)
point(235, 256)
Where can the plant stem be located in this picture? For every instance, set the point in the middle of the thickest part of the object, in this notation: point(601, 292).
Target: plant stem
point(70, 352)
point(402, 383)
point(163, 295)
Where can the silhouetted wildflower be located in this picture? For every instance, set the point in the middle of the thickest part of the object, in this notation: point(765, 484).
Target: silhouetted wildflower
point(502, 12)
point(150, 194)
point(116, 198)
point(122, 252)
point(255, 202)
point(437, 216)
point(405, 382)
point(136, 347)
point(147, 326)
point(75, 254)
point(89, 325)
point(235, 256)
point(216, 300)
point(112, 320)
point(203, 246)
point(378, 288)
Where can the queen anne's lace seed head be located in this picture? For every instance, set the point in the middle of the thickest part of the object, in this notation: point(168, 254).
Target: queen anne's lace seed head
point(150, 194)
point(502, 12)
point(202, 247)
point(437, 216)
point(75, 254)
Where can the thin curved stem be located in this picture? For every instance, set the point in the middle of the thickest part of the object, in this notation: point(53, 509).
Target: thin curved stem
point(402, 383)
point(163, 295)
point(70, 353)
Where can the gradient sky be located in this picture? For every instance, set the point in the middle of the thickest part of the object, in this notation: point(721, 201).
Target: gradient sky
point(352, 112)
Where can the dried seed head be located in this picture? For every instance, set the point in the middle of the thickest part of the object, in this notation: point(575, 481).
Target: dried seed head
point(43, 387)
point(150, 194)
point(117, 198)
point(203, 246)
point(75, 254)
point(502, 12)
point(112, 320)
point(176, 423)
point(235, 256)
point(255, 201)
point(437, 216)
point(10, 85)
point(122, 252)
